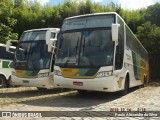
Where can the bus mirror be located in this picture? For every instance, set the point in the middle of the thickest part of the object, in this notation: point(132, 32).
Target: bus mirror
point(115, 29)
point(51, 45)
point(10, 43)
point(50, 42)
point(48, 37)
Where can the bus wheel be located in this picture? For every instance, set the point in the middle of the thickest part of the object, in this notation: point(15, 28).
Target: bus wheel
point(145, 81)
point(81, 92)
point(2, 81)
point(9, 82)
point(126, 87)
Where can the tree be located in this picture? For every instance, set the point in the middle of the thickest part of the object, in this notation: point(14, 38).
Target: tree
point(149, 36)
point(152, 14)
point(7, 22)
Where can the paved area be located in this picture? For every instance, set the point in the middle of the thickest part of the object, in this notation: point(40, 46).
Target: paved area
point(29, 99)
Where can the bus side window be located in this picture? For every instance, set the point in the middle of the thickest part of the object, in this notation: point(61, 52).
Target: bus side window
point(120, 47)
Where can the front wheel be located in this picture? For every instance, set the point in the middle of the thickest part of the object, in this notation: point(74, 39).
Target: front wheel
point(2, 81)
point(126, 87)
point(9, 83)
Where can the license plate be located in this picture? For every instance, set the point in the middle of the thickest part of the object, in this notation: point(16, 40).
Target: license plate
point(78, 83)
point(25, 81)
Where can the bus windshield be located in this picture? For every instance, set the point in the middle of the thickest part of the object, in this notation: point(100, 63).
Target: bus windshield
point(32, 53)
point(33, 35)
point(86, 48)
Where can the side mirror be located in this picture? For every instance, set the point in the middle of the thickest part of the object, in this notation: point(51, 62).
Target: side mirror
point(50, 42)
point(48, 37)
point(10, 43)
point(115, 29)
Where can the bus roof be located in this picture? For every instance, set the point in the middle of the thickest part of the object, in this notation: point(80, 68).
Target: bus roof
point(104, 13)
point(41, 29)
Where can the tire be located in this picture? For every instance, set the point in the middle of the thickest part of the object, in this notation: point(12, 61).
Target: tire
point(126, 87)
point(9, 83)
point(2, 81)
point(145, 81)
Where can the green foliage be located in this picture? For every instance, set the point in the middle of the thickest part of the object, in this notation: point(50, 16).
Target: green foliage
point(7, 22)
point(150, 36)
point(153, 14)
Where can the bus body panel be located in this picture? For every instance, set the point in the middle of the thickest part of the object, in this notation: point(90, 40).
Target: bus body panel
point(6, 64)
point(5, 68)
point(129, 65)
point(6, 72)
point(35, 81)
point(110, 83)
point(45, 82)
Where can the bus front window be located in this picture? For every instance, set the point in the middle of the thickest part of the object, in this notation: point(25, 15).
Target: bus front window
point(97, 48)
point(89, 48)
point(68, 47)
point(32, 53)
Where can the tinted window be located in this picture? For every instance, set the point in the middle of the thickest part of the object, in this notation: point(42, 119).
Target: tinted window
point(35, 35)
point(6, 55)
point(134, 45)
point(120, 46)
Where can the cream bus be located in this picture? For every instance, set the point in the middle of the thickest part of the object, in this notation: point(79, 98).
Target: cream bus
point(99, 52)
point(34, 58)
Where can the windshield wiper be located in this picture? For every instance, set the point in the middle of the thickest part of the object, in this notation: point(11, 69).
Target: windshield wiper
point(88, 56)
point(66, 62)
point(84, 45)
point(76, 47)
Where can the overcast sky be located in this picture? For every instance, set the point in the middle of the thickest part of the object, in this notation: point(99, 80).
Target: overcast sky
point(128, 4)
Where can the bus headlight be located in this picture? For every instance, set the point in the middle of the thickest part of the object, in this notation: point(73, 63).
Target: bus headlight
point(57, 72)
point(104, 74)
point(43, 75)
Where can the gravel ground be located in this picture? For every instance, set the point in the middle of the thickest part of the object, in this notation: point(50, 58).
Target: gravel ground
point(29, 99)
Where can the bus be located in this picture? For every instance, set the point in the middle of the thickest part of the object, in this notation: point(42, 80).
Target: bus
point(6, 63)
point(34, 58)
point(99, 52)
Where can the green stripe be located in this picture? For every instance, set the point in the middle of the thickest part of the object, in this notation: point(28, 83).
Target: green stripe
point(5, 64)
point(87, 72)
point(32, 73)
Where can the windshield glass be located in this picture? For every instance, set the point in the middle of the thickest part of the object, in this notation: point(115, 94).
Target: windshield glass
point(33, 35)
point(32, 56)
point(85, 48)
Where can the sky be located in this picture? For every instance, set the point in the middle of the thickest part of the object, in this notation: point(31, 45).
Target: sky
point(127, 4)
